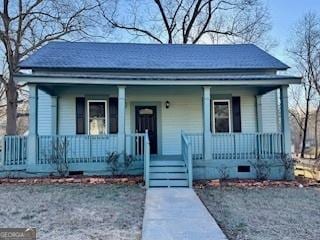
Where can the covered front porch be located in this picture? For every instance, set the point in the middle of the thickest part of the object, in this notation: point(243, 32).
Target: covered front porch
point(180, 121)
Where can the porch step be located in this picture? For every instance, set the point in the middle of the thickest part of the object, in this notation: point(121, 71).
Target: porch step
point(161, 163)
point(168, 176)
point(168, 183)
point(168, 169)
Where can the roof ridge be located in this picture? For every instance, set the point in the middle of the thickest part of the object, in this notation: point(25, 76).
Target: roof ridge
point(156, 44)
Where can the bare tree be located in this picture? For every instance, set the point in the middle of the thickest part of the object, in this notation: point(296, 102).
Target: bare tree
point(26, 25)
point(305, 52)
point(190, 21)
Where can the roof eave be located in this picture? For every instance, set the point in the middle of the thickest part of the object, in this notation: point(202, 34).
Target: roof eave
point(173, 70)
point(140, 80)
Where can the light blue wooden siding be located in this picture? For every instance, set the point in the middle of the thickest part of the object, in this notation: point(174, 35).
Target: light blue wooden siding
point(67, 115)
point(248, 113)
point(45, 118)
point(270, 110)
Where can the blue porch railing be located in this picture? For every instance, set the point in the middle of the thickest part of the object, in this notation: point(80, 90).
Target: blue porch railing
point(135, 146)
point(247, 146)
point(233, 146)
point(186, 151)
point(13, 152)
point(80, 152)
point(76, 148)
point(196, 144)
point(146, 159)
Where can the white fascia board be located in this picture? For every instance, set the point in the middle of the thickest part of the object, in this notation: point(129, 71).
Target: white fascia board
point(223, 80)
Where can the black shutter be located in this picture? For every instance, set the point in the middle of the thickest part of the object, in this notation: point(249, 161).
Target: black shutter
point(236, 114)
point(80, 115)
point(113, 115)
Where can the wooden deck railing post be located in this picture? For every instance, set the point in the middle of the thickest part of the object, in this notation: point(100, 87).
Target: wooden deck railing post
point(206, 123)
point(285, 124)
point(33, 127)
point(121, 122)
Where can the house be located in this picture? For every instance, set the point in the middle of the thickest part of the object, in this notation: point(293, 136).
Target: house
point(173, 112)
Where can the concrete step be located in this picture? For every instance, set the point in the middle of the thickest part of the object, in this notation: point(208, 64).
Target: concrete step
point(166, 169)
point(168, 176)
point(168, 163)
point(168, 183)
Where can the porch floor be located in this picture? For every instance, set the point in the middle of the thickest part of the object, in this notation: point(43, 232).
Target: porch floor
point(156, 157)
point(177, 213)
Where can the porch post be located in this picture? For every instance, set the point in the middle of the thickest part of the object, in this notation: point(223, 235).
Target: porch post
point(259, 113)
point(33, 126)
point(121, 120)
point(285, 125)
point(54, 111)
point(206, 123)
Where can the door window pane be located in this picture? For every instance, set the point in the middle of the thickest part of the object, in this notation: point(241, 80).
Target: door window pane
point(221, 116)
point(97, 118)
point(146, 111)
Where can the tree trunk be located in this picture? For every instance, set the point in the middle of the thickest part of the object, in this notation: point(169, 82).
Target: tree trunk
point(12, 97)
point(305, 128)
point(316, 132)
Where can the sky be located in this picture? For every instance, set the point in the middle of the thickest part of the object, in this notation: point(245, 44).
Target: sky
point(284, 15)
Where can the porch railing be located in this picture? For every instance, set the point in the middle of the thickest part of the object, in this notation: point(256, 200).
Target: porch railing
point(234, 146)
point(146, 160)
point(196, 144)
point(135, 146)
point(246, 145)
point(186, 150)
point(13, 153)
point(76, 148)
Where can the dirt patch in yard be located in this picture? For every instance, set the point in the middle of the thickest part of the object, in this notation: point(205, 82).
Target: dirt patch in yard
point(299, 182)
point(265, 213)
point(72, 211)
point(79, 179)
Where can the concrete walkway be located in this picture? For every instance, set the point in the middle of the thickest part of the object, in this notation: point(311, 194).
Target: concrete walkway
point(177, 213)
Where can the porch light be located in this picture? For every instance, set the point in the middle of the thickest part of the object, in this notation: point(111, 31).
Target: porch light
point(167, 104)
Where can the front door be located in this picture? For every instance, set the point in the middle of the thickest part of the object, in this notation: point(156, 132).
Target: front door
point(146, 119)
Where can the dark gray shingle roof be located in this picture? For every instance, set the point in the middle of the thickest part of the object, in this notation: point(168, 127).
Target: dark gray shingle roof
point(108, 56)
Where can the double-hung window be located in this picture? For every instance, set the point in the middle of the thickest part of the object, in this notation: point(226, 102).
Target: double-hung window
point(221, 116)
point(97, 117)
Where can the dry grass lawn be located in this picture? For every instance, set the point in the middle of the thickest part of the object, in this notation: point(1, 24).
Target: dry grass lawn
point(270, 213)
point(74, 211)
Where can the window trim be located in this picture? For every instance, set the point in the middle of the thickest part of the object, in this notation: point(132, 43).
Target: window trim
point(105, 114)
point(213, 115)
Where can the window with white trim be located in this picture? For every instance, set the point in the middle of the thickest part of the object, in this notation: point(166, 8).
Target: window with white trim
point(97, 117)
point(221, 116)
